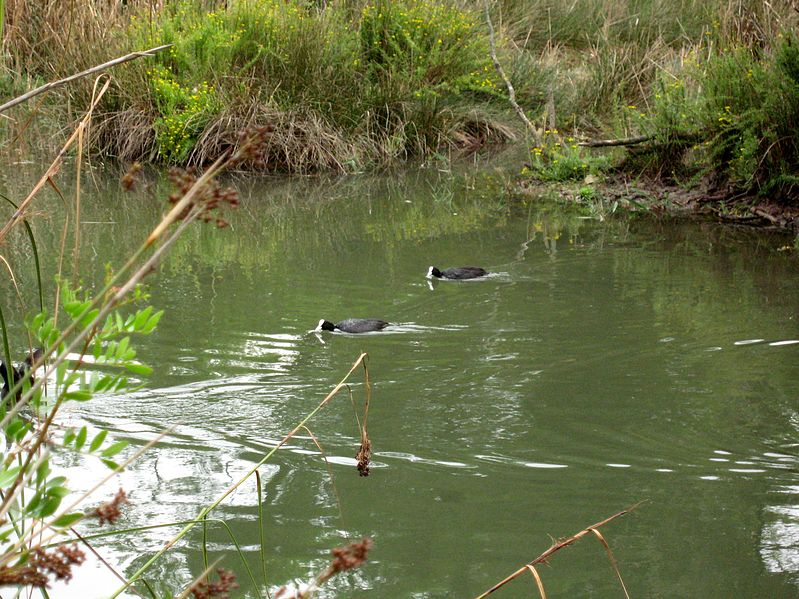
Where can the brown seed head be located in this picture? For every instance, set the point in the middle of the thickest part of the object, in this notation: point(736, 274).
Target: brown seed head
point(206, 589)
point(110, 512)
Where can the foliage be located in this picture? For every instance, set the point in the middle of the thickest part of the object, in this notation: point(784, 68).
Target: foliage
point(732, 114)
point(33, 495)
point(560, 159)
point(396, 69)
point(184, 113)
point(752, 113)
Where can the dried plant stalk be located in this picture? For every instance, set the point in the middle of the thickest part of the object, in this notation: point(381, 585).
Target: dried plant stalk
point(529, 567)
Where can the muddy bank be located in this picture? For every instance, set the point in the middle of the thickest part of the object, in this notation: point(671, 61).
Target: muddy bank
point(663, 197)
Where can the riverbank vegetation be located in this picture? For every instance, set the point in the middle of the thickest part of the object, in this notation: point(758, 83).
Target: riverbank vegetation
point(684, 91)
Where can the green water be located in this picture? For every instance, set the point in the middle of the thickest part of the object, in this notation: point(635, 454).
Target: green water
point(606, 363)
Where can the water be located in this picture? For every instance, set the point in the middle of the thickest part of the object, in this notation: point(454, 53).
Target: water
point(607, 363)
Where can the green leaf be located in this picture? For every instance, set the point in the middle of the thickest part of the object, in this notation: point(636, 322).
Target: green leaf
point(108, 327)
point(57, 481)
point(122, 348)
point(42, 471)
point(67, 520)
point(59, 492)
point(49, 507)
point(97, 441)
point(75, 308)
point(5, 534)
point(141, 318)
point(37, 320)
point(44, 331)
point(8, 476)
point(110, 351)
point(81, 438)
point(138, 368)
point(91, 315)
point(69, 436)
point(152, 322)
point(79, 395)
point(60, 374)
point(110, 463)
point(112, 450)
point(17, 429)
point(33, 505)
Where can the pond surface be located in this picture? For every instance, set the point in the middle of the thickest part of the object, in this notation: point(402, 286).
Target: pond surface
point(607, 363)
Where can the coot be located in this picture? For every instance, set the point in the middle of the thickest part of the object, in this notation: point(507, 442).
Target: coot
point(353, 325)
point(463, 272)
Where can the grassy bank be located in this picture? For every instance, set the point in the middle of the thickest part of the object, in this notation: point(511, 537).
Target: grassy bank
point(710, 87)
point(344, 85)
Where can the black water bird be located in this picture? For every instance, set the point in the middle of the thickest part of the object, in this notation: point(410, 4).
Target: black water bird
point(460, 273)
point(17, 372)
point(353, 325)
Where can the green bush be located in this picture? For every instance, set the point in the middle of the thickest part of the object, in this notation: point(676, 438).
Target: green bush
point(752, 114)
point(733, 114)
point(401, 71)
point(560, 159)
point(184, 113)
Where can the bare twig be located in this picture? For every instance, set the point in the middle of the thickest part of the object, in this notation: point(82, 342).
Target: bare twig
point(53, 84)
point(539, 583)
point(511, 92)
point(612, 559)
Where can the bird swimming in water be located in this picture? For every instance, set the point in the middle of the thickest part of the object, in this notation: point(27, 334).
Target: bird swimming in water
point(353, 325)
point(17, 372)
point(459, 273)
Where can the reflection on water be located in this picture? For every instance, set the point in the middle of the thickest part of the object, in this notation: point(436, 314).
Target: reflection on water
point(602, 364)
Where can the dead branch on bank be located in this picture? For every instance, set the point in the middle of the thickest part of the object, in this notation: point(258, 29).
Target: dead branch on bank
point(544, 557)
point(625, 141)
point(53, 84)
point(501, 72)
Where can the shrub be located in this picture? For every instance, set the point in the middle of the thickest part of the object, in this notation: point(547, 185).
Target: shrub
point(411, 75)
point(742, 105)
point(184, 113)
point(560, 159)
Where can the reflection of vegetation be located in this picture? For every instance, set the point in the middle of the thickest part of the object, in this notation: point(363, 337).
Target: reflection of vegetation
point(375, 210)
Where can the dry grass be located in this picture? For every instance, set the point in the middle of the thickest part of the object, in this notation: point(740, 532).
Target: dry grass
point(557, 546)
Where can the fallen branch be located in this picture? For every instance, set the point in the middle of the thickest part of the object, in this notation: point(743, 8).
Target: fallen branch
point(778, 220)
point(625, 141)
point(530, 567)
point(53, 84)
